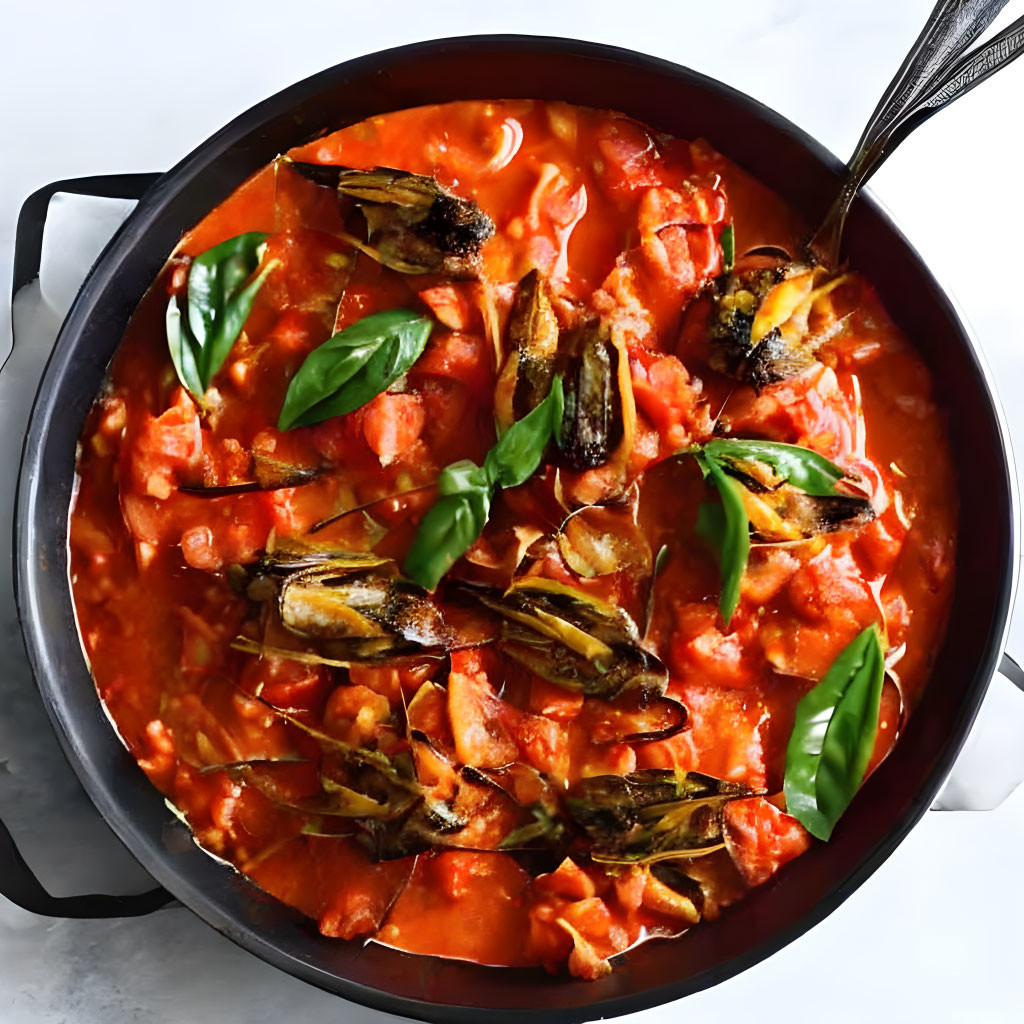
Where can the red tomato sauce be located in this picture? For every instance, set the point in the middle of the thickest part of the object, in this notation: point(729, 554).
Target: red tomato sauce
point(628, 224)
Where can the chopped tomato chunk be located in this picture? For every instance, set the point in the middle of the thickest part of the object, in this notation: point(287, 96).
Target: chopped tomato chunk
point(761, 838)
point(393, 424)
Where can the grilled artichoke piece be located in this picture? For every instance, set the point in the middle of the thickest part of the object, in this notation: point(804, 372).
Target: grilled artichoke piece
point(426, 826)
point(600, 415)
point(575, 640)
point(353, 601)
point(592, 425)
point(389, 825)
point(652, 814)
point(779, 512)
point(533, 333)
point(760, 330)
point(414, 224)
point(787, 513)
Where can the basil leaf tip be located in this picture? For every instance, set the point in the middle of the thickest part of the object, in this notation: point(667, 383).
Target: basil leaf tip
point(727, 240)
point(354, 366)
point(833, 736)
point(733, 535)
point(516, 456)
point(218, 301)
point(445, 534)
point(465, 491)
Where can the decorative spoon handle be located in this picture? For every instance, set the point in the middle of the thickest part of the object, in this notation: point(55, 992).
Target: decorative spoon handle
point(951, 27)
point(935, 72)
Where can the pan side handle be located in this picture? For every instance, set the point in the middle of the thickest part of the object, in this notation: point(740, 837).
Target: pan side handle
point(28, 238)
point(20, 885)
point(18, 882)
point(991, 765)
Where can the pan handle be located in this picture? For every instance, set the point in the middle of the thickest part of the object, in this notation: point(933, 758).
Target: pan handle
point(991, 764)
point(28, 239)
point(18, 883)
point(20, 886)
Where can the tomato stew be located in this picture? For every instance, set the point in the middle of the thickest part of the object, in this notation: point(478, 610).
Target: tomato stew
point(496, 650)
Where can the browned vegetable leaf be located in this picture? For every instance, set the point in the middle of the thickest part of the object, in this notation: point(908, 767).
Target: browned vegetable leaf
point(763, 329)
point(652, 814)
point(575, 640)
point(414, 224)
point(353, 604)
point(533, 342)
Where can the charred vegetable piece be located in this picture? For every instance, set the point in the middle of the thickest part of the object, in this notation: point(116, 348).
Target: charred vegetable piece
point(788, 492)
point(575, 640)
point(736, 302)
point(391, 823)
point(391, 814)
point(414, 224)
point(652, 814)
point(533, 342)
point(786, 513)
point(335, 603)
point(426, 826)
point(599, 417)
point(592, 425)
point(270, 475)
point(356, 602)
point(760, 329)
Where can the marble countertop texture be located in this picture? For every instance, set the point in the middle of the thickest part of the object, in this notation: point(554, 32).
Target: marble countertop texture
point(114, 87)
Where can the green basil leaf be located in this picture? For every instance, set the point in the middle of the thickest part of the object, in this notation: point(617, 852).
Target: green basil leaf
point(833, 736)
point(463, 477)
point(357, 364)
point(727, 240)
point(466, 489)
point(185, 354)
point(219, 301)
point(236, 312)
point(446, 533)
point(518, 453)
point(734, 543)
point(711, 524)
point(803, 468)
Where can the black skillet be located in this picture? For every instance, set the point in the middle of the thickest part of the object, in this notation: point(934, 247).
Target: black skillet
point(672, 99)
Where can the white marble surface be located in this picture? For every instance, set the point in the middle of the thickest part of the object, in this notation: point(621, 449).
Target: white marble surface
point(104, 87)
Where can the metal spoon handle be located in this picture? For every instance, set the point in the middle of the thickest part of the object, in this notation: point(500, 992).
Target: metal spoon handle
point(923, 86)
point(951, 27)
